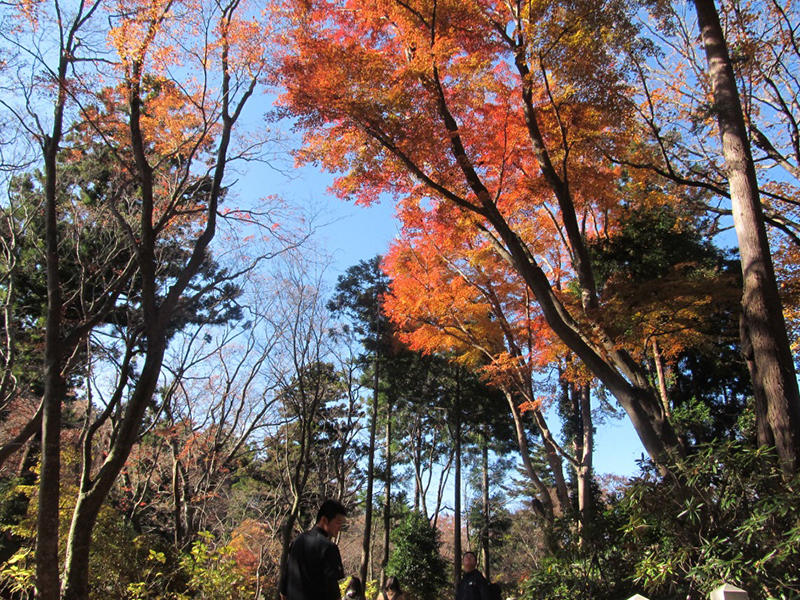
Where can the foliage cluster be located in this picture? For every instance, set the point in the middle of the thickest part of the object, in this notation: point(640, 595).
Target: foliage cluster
point(559, 188)
point(738, 524)
point(415, 558)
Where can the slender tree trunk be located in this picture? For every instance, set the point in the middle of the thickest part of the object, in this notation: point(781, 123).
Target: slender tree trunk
point(373, 424)
point(485, 491)
point(457, 491)
point(584, 468)
point(562, 501)
point(387, 495)
point(47, 522)
point(544, 504)
point(662, 380)
point(417, 454)
point(772, 368)
point(176, 497)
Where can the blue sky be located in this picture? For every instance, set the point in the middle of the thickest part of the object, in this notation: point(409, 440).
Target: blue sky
point(351, 233)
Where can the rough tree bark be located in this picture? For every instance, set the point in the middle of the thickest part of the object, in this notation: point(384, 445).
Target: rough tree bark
point(763, 328)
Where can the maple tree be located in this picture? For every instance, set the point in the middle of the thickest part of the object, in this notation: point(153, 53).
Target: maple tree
point(499, 119)
point(461, 298)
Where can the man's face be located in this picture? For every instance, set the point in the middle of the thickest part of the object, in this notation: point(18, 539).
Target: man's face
point(469, 562)
point(332, 526)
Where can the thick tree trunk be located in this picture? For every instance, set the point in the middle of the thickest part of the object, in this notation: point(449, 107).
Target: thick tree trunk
point(94, 490)
point(772, 367)
point(763, 430)
point(373, 424)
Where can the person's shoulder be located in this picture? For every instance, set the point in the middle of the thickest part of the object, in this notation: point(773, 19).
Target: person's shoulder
point(477, 576)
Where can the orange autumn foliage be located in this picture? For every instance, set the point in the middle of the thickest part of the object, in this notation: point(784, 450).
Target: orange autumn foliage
point(363, 80)
point(451, 293)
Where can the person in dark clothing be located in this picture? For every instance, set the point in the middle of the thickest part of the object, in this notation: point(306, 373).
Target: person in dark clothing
point(473, 585)
point(314, 566)
point(354, 589)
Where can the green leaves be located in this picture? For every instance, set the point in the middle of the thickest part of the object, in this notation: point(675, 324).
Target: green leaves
point(738, 524)
point(415, 559)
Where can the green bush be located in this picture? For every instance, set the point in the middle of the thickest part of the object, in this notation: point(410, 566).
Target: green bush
point(415, 558)
point(734, 520)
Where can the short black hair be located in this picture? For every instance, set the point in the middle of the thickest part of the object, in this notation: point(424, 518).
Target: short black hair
point(475, 556)
point(331, 508)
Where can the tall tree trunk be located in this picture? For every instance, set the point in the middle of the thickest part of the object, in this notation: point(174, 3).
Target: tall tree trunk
point(562, 501)
point(417, 458)
point(387, 492)
point(485, 491)
point(584, 456)
point(763, 430)
point(94, 490)
point(47, 521)
point(373, 424)
point(772, 368)
point(177, 509)
point(457, 490)
point(544, 504)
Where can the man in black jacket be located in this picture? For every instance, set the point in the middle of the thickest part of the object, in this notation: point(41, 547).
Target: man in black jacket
point(473, 585)
point(314, 566)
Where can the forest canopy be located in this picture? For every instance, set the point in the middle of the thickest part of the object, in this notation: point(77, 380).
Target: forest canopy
point(597, 219)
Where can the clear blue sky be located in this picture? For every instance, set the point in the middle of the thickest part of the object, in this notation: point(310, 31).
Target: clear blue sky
point(352, 233)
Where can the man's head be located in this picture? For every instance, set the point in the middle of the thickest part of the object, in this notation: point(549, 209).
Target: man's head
point(331, 516)
point(469, 561)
